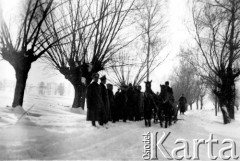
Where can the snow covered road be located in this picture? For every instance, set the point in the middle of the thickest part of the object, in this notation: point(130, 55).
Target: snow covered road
point(53, 132)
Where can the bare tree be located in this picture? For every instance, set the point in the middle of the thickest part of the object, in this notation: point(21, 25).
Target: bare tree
point(200, 93)
point(216, 28)
point(151, 23)
point(121, 69)
point(146, 55)
point(131, 68)
point(94, 29)
point(22, 53)
point(185, 81)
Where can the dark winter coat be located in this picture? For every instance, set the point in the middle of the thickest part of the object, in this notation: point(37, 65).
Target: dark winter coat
point(182, 103)
point(112, 104)
point(169, 90)
point(141, 104)
point(170, 96)
point(117, 105)
point(94, 102)
point(106, 112)
point(130, 103)
point(138, 104)
point(121, 103)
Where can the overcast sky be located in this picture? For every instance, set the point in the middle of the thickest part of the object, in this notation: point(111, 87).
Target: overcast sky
point(178, 35)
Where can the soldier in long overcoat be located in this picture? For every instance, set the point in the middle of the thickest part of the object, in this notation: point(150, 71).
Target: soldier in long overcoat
point(106, 114)
point(137, 109)
point(122, 99)
point(94, 100)
point(130, 102)
point(112, 102)
point(118, 108)
point(182, 104)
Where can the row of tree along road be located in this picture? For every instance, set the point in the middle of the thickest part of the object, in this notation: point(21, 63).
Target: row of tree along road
point(126, 37)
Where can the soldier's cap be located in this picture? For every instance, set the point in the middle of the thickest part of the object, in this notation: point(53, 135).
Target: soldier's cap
point(109, 84)
point(103, 78)
point(95, 75)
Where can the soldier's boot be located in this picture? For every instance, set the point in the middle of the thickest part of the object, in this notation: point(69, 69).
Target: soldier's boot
point(149, 123)
point(166, 123)
point(170, 122)
point(161, 124)
point(100, 123)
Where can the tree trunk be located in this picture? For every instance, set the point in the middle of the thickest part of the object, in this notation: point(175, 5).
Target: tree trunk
point(75, 75)
point(201, 102)
point(222, 100)
point(197, 102)
point(21, 77)
point(230, 107)
point(216, 106)
point(230, 102)
point(226, 118)
point(148, 52)
point(77, 96)
point(190, 106)
point(80, 92)
point(228, 92)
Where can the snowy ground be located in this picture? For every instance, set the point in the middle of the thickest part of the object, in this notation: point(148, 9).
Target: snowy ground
point(53, 132)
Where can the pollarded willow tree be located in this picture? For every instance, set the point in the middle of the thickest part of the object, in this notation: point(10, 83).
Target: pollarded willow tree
point(98, 26)
point(216, 29)
point(25, 50)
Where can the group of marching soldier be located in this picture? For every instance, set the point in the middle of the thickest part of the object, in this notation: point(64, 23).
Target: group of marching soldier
point(103, 106)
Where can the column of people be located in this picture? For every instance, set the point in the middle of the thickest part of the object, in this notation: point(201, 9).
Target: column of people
point(126, 104)
point(104, 106)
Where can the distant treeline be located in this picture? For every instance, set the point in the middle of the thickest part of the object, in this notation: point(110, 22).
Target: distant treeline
point(41, 88)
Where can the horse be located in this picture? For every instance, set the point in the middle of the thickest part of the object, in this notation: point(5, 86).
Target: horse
point(149, 104)
point(167, 110)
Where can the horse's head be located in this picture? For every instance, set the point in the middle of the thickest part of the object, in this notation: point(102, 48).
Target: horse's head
point(163, 89)
point(148, 85)
point(163, 93)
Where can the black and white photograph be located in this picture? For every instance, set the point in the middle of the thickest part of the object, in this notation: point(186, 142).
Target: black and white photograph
point(120, 80)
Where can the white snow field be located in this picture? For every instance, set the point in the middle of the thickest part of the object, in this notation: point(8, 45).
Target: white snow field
point(51, 131)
